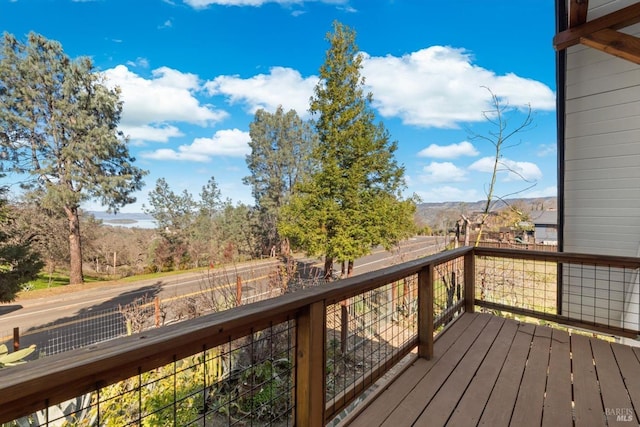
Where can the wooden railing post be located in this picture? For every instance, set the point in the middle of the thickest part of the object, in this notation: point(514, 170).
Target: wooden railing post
point(425, 312)
point(469, 281)
point(238, 291)
point(310, 366)
point(156, 310)
point(16, 339)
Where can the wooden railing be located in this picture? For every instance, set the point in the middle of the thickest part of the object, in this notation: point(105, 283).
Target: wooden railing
point(596, 292)
point(430, 292)
point(42, 383)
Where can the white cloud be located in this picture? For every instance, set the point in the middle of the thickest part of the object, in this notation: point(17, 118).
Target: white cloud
point(150, 104)
point(230, 142)
point(169, 154)
point(199, 4)
point(454, 194)
point(441, 87)
point(546, 150)
point(452, 151)
point(166, 24)
point(515, 171)
point(151, 133)
point(443, 172)
point(282, 86)
point(139, 62)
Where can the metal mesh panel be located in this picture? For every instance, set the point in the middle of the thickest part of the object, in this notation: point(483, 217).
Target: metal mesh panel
point(594, 295)
point(448, 290)
point(366, 335)
point(527, 284)
point(249, 381)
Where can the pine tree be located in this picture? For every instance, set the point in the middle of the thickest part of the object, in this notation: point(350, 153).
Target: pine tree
point(351, 202)
point(58, 127)
point(280, 146)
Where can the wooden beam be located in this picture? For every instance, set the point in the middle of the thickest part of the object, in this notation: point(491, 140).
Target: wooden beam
point(615, 43)
point(578, 12)
point(619, 19)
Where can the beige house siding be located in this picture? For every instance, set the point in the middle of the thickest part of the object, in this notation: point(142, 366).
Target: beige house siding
point(602, 171)
point(602, 148)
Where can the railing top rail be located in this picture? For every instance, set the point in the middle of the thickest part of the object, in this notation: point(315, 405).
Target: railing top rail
point(562, 257)
point(67, 375)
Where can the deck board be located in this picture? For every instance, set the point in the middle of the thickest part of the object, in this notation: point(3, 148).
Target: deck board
point(474, 400)
point(630, 370)
point(614, 394)
point(586, 390)
point(529, 403)
point(411, 407)
point(445, 401)
point(498, 372)
point(392, 396)
point(503, 397)
point(557, 409)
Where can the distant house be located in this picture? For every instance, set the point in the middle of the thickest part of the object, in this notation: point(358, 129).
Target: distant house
point(545, 225)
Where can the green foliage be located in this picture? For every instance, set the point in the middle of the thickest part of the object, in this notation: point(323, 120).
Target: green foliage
point(280, 146)
point(159, 388)
point(425, 231)
point(173, 212)
point(196, 233)
point(15, 358)
point(59, 123)
point(54, 280)
point(19, 263)
point(351, 200)
point(270, 394)
point(195, 386)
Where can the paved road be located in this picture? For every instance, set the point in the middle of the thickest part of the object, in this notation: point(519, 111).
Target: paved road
point(57, 317)
point(28, 313)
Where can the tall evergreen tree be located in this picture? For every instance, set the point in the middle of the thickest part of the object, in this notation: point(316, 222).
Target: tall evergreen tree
point(58, 125)
point(351, 201)
point(280, 147)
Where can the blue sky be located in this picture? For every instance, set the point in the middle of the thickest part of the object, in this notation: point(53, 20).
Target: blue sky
point(193, 73)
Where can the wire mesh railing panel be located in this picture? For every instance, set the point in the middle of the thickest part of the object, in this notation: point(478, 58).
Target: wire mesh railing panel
point(448, 292)
point(366, 335)
point(591, 293)
point(86, 330)
point(523, 283)
point(601, 295)
point(249, 381)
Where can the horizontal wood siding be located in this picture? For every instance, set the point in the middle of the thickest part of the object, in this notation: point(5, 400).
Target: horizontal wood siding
point(602, 171)
point(602, 148)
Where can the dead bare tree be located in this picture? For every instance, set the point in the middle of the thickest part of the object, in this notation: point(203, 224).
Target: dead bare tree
point(500, 138)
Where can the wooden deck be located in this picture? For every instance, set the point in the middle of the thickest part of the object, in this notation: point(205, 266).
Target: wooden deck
point(494, 372)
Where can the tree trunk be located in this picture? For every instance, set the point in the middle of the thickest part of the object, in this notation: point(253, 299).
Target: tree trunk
point(328, 267)
point(75, 247)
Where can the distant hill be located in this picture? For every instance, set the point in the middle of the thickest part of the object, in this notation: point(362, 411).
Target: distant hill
point(433, 213)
